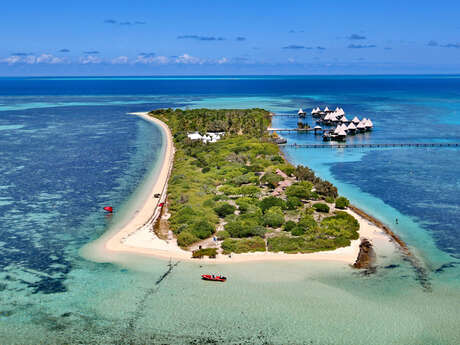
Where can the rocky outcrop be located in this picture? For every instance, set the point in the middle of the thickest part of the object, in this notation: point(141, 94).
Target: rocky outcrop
point(366, 255)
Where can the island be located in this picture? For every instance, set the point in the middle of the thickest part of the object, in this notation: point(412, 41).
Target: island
point(226, 193)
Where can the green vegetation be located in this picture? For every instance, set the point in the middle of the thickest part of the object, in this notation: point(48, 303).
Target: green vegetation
point(224, 209)
point(321, 207)
point(274, 217)
point(289, 225)
point(270, 202)
point(244, 245)
point(342, 202)
point(209, 252)
point(230, 184)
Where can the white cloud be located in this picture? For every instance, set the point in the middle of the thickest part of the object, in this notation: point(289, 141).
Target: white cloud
point(90, 59)
point(11, 60)
point(32, 59)
point(188, 59)
point(149, 59)
point(121, 60)
point(48, 58)
point(222, 60)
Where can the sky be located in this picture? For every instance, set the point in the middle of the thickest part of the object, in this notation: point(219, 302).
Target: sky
point(140, 37)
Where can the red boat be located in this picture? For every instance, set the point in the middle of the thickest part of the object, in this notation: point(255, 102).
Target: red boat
point(212, 277)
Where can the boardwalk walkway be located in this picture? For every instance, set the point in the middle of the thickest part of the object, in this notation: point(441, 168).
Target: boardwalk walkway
point(376, 145)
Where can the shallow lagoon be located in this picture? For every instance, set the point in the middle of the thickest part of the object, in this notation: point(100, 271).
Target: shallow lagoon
point(64, 155)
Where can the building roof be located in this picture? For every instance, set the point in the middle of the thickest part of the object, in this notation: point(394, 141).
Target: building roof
point(337, 130)
point(344, 127)
point(344, 119)
point(361, 125)
point(341, 132)
point(355, 120)
point(351, 126)
point(369, 123)
point(326, 109)
point(300, 111)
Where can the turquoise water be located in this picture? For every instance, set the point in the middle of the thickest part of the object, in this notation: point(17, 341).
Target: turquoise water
point(68, 147)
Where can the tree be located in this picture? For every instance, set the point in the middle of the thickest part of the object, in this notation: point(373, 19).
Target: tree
point(185, 238)
point(202, 229)
point(223, 209)
point(300, 190)
point(271, 201)
point(271, 179)
point(292, 202)
point(326, 189)
point(274, 217)
point(304, 174)
point(320, 207)
point(342, 202)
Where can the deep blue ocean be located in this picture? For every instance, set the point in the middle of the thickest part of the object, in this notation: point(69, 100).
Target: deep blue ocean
point(68, 147)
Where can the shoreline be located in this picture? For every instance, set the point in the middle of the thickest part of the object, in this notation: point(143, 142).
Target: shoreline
point(138, 237)
point(150, 210)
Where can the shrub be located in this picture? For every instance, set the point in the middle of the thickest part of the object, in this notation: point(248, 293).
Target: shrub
point(288, 169)
point(326, 188)
point(205, 170)
point(278, 159)
point(271, 179)
point(209, 252)
point(245, 203)
point(341, 225)
point(342, 202)
point(293, 202)
point(244, 245)
point(244, 228)
point(304, 174)
point(300, 190)
point(222, 235)
point(185, 239)
point(252, 191)
point(298, 231)
point(271, 201)
point(299, 244)
point(329, 199)
point(202, 229)
point(321, 207)
point(273, 217)
point(289, 225)
point(229, 190)
point(308, 224)
point(223, 209)
point(242, 179)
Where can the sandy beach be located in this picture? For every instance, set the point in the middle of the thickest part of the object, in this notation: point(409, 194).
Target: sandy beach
point(150, 210)
point(137, 236)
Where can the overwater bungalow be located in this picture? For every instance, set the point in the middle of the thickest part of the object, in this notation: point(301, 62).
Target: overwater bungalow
point(369, 125)
point(344, 127)
point(301, 113)
point(355, 120)
point(327, 110)
point(361, 127)
point(351, 128)
point(344, 119)
point(316, 112)
point(339, 134)
point(333, 119)
point(317, 129)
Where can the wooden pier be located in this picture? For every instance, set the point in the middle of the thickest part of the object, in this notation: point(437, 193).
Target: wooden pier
point(293, 130)
point(286, 115)
point(376, 145)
